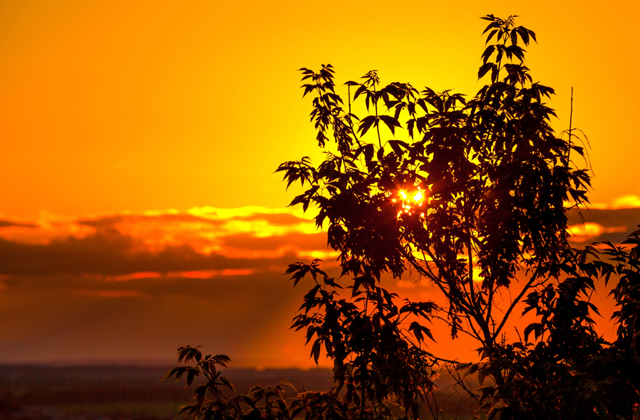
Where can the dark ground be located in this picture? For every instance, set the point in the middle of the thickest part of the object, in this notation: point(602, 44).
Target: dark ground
point(34, 392)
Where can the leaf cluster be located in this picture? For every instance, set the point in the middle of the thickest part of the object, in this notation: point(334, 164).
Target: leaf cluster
point(569, 371)
point(375, 344)
point(216, 397)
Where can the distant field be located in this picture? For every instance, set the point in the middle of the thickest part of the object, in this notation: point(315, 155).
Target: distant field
point(118, 392)
point(135, 393)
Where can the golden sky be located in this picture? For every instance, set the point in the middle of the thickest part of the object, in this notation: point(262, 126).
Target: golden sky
point(139, 141)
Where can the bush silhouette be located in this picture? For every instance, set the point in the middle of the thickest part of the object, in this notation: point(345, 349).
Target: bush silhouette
point(472, 198)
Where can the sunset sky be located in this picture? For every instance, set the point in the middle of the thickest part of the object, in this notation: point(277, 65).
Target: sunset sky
point(140, 210)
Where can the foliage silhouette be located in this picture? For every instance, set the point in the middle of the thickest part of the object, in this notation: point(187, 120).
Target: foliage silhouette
point(473, 199)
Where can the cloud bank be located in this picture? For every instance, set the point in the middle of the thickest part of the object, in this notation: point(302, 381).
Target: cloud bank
point(138, 286)
point(199, 240)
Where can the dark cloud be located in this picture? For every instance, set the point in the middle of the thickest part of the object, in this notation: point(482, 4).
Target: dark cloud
point(111, 221)
point(9, 223)
point(275, 219)
point(610, 219)
point(227, 288)
point(60, 301)
point(316, 241)
point(109, 252)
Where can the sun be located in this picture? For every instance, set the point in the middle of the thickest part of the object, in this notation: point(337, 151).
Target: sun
point(410, 201)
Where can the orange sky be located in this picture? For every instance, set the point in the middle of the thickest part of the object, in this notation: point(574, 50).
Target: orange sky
point(128, 127)
point(134, 105)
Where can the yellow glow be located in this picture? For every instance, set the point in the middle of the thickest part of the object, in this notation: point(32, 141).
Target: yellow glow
point(626, 201)
point(124, 73)
point(589, 231)
point(409, 201)
point(585, 232)
point(477, 278)
point(321, 254)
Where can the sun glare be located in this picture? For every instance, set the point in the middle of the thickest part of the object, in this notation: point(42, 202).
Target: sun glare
point(409, 201)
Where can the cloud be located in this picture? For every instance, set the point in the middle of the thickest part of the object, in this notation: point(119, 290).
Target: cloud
point(598, 225)
point(109, 252)
point(204, 242)
point(141, 285)
point(198, 243)
point(626, 201)
point(118, 285)
point(203, 228)
point(298, 240)
point(9, 223)
point(285, 219)
point(114, 220)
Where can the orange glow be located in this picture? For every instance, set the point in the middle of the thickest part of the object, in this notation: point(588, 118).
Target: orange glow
point(237, 272)
point(135, 276)
point(320, 254)
point(202, 274)
point(209, 274)
point(106, 89)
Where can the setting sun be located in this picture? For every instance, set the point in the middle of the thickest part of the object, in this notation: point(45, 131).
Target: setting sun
point(409, 200)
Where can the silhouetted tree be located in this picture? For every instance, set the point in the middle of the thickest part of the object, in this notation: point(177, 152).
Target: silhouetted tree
point(469, 194)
